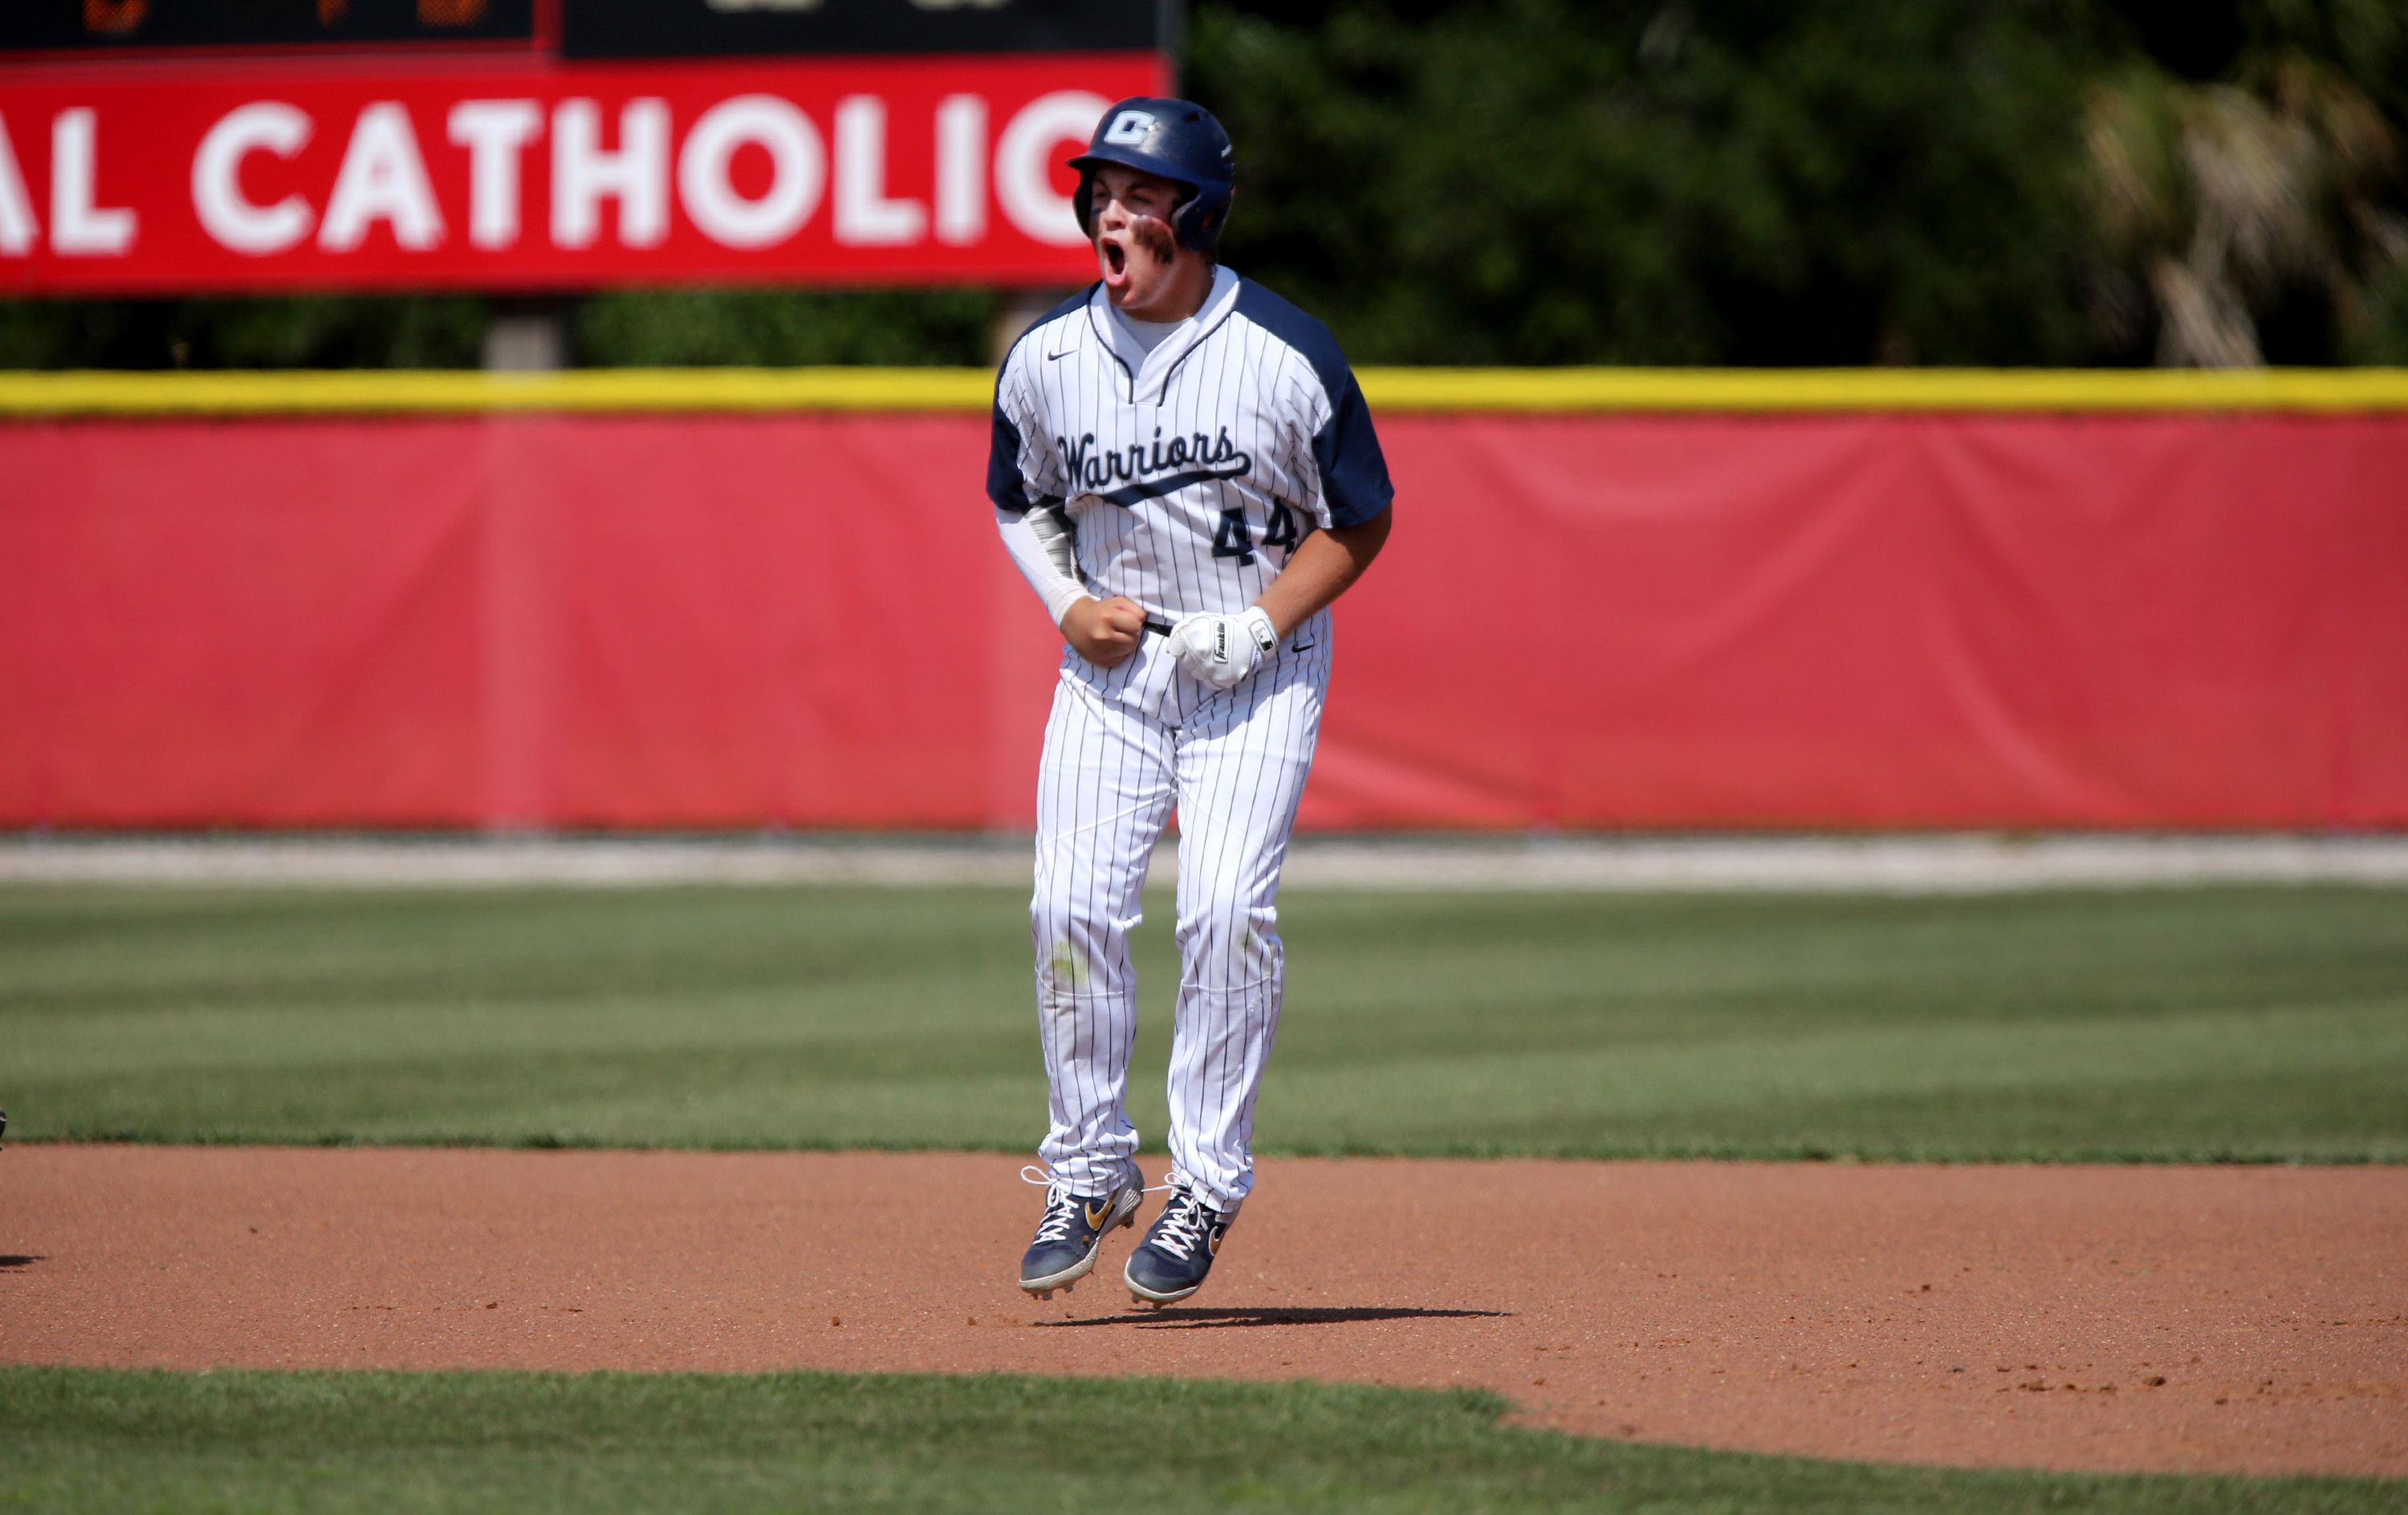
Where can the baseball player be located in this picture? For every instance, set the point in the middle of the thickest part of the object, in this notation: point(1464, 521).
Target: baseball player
point(1184, 469)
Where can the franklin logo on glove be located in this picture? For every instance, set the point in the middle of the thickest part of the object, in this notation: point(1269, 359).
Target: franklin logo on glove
point(1222, 650)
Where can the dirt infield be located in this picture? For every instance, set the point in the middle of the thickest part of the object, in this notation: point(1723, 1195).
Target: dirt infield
point(2240, 1320)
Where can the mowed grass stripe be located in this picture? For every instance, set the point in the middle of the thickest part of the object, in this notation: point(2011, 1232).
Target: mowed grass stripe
point(1899, 1090)
point(2234, 1023)
point(95, 1440)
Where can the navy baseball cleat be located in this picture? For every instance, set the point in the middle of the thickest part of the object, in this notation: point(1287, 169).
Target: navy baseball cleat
point(1171, 1264)
point(1072, 1232)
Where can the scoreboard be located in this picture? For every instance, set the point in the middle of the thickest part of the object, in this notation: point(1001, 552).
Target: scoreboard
point(102, 28)
point(185, 146)
point(586, 28)
point(696, 28)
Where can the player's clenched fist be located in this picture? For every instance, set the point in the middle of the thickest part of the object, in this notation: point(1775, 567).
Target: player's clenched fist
point(1223, 649)
point(1104, 631)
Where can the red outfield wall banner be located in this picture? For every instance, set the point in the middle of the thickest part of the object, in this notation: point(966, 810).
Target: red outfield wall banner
point(415, 174)
point(1585, 621)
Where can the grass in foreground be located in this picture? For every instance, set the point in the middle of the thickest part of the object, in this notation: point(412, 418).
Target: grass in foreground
point(2255, 1024)
point(82, 1439)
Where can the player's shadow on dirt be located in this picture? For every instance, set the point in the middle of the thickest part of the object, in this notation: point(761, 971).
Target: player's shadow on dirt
point(19, 1260)
point(1203, 1319)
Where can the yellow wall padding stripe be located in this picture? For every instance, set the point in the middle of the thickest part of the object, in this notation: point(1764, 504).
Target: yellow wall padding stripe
point(1730, 390)
point(388, 391)
point(1539, 391)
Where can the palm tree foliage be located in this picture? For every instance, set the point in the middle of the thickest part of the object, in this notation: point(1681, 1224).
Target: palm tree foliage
point(2217, 204)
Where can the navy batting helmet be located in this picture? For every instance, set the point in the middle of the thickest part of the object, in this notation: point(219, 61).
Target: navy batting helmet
point(1177, 140)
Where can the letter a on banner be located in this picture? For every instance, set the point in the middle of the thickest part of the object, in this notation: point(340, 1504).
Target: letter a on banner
point(17, 228)
point(383, 178)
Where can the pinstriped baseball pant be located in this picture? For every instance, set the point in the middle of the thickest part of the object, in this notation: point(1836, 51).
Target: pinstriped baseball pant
point(1123, 747)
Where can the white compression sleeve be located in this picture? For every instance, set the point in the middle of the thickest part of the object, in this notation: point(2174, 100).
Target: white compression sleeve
point(1038, 540)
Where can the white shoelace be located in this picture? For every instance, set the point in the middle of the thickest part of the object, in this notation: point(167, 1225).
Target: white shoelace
point(1182, 1225)
point(1062, 1207)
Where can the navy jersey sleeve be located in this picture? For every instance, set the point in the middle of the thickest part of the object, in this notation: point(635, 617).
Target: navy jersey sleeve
point(1005, 483)
point(1009, 465)
point(1354, 471)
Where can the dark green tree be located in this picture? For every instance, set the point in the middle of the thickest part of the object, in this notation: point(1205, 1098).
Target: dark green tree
point(1544, 181)
point(777, 327)
point(316, 331)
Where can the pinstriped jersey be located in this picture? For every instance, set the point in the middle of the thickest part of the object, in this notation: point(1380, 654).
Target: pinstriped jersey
point(1190, 472)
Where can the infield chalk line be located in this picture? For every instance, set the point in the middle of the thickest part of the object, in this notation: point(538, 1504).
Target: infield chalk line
point(1949, 863)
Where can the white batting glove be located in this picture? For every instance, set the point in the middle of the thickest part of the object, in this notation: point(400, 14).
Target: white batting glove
point(1223, 649)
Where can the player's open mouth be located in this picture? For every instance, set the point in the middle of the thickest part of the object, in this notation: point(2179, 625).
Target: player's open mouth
point(1115, 258)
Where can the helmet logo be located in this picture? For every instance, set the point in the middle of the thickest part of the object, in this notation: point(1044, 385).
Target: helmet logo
point(1129, 128)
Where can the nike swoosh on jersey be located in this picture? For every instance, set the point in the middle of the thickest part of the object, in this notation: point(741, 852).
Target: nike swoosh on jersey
point(1056, 357)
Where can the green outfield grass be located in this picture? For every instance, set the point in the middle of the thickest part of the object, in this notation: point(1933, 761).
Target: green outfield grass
point(2203, 1023)
point(83, 1440)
